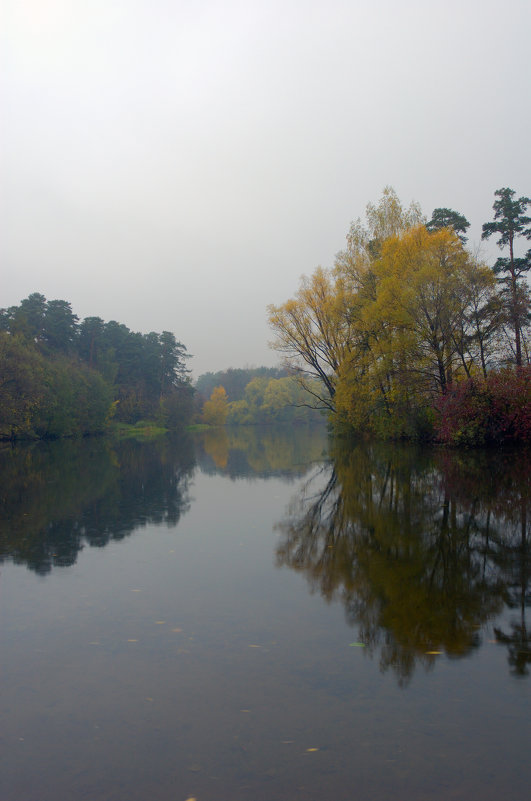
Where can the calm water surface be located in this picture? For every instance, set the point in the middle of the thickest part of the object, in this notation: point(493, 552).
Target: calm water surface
point(262, 616)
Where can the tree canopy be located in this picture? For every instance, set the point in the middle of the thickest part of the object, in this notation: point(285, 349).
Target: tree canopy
point(62, 377)
point(405, 314)
point(510, 222)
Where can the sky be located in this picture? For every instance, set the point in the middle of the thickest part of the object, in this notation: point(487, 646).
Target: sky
point(179, 164)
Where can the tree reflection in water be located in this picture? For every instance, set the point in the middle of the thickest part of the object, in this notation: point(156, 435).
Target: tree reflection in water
point(257, 452)
point(421, 548)
point(59, 496)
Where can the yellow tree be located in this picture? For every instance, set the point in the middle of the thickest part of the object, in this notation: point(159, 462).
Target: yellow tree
point(383, 220)
point(313, 332)
point(426, 323)
point(215, 410)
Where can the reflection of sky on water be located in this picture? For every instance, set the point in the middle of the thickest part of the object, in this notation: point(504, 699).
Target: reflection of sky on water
point(181, 661)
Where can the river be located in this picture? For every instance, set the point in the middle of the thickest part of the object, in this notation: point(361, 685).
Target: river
point(263, 615)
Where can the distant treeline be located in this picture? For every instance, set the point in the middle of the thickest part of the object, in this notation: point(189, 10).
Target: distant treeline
point(254, 396)
point(235, 380)
point(62, 377)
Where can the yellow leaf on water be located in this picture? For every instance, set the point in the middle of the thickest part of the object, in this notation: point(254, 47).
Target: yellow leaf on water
point(160, 622)
point(136, 590)
point(176, 629)
point(312, 749)
point(132, 640)
point(255, 646)
point(433, 652)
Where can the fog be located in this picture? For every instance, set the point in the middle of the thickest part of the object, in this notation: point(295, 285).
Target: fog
point(178, 165)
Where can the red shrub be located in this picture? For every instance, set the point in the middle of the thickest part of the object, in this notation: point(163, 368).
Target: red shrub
point(497, 410)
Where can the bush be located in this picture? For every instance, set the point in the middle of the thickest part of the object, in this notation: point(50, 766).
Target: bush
point(495, 410)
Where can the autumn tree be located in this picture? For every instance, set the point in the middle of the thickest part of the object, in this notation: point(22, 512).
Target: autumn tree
point(215, 409)
point(384, 219)
point(313, 332)
point(406, 313)
point(510, 221)
point(415, 333)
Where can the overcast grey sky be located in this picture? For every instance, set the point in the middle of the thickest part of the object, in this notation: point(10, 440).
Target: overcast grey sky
point(178, 164)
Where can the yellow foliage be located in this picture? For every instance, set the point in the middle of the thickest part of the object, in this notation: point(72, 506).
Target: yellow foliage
point(404, 314)
point(215, 410)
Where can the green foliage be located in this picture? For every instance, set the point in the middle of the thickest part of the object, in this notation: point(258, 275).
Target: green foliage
point(43, 397)
point(62, 378)
point(510, 221)
point(234, 380)
point(448, 218)
point(77, 401)
point(279, 400)
point(177, 407)
point(22, 386)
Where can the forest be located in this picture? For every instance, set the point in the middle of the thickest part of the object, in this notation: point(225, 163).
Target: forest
point(62, 377)
point(254, 396)
point(410, 334)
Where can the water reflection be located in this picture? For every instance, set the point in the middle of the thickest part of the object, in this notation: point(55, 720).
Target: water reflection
point(422, 548)
point(58, 496)
point(262, 452)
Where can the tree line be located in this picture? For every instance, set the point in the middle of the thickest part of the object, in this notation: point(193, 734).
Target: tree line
point(62, 376)
point(410, 334)
point(253, 396)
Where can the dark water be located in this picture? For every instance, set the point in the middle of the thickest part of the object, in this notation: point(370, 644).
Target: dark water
point(259, 616)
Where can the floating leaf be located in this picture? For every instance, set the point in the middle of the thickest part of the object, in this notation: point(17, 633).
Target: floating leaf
point(357, 645)
point(255, 646)
point(433, 652)
point(160, 622)
point(132, 640)
point(312, 749)
point(176, 629)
